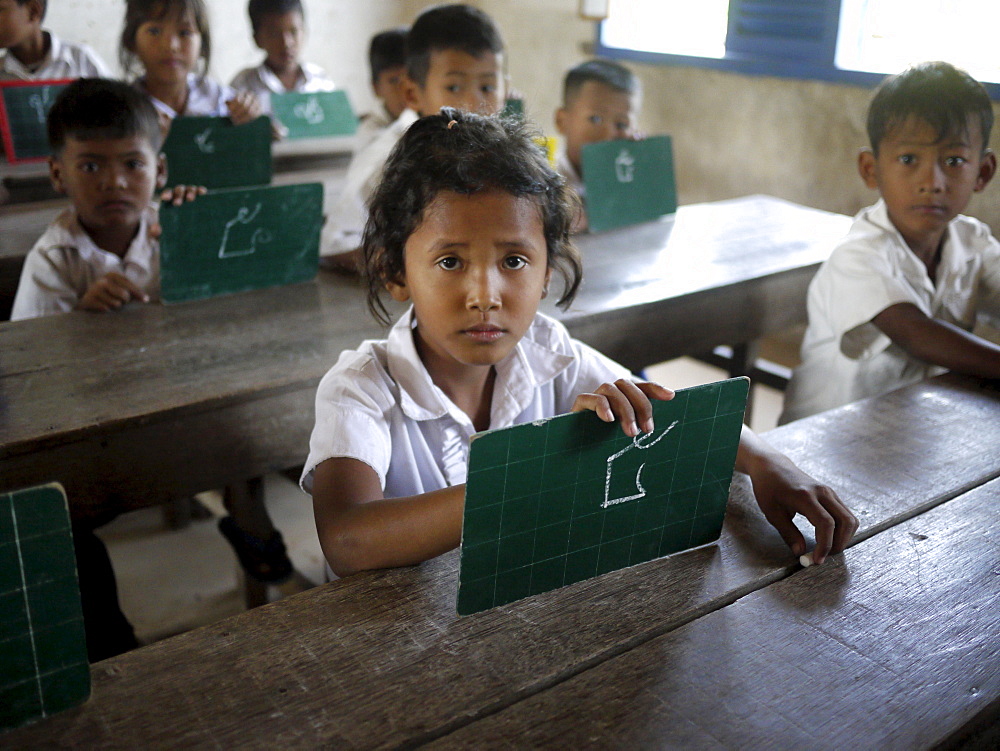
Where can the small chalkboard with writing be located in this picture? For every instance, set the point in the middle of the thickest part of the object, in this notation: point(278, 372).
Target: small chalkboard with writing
point(321, 113)
point(561, 500)
point(240, 239)
point(24, 106)
point(628, 182)
point(43, 649)
point(213, 152)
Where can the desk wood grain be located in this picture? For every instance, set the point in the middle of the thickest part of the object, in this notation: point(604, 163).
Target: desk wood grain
point(895, 646)
point(380, 659)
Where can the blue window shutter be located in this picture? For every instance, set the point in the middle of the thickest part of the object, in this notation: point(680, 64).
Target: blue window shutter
point(790, 30)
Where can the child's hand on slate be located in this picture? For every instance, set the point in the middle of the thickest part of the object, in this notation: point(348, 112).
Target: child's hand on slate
point(110, 292)
point(244, 107)
point(625, 401)
point(182, 194)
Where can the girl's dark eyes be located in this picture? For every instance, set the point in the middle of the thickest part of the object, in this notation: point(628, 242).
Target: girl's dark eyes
point(448, 264)
point(595, 119)
point(515, 262)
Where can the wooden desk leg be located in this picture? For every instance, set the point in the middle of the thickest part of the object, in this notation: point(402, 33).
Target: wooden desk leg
point(245, 503)
point(742, 364)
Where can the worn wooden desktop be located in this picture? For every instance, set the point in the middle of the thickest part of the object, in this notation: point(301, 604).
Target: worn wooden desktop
point(156, 402)
point(892, 645)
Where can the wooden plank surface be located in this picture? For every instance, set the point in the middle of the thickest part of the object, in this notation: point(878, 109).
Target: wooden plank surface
point(896, 646)
point(381, 659)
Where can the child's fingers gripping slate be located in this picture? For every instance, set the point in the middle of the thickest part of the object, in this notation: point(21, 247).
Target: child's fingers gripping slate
point(611, 403)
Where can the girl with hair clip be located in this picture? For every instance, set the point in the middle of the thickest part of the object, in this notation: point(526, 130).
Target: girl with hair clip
point(468, 225)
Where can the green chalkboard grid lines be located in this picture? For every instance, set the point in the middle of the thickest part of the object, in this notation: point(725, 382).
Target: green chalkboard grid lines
point(43, 652)
point(23, 110)
point(532, 533)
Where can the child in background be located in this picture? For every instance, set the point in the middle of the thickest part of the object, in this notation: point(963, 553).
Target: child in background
point(468, 225)
point(35, 54)
point(601, 102)
point(168, 39)
point(897, 300)
point(279, 29)
point(454, 58)
point(387, 61)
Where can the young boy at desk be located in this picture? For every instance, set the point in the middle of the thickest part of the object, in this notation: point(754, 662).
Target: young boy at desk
point(33, 53)
point(279, 29)
point(897, 299)
point(601, 102)
point(454, 58)
point(387, 62)
point(468, 225)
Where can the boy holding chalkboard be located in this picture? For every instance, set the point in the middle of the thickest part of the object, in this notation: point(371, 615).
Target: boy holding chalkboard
point(279, 30)
point(35, 54)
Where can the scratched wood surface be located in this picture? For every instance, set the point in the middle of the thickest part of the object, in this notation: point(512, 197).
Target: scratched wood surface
point(381, 659)
point(897, 646)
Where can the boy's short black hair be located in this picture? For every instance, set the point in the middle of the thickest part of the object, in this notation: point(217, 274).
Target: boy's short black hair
point(449, 27)
point(138, 12)
point(100, 108)
point(942, 95)
point(257, 9)
point(465, 153)
point(612, 75)
point(387, 50)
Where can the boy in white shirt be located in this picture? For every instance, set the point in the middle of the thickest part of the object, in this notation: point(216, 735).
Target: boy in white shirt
point(454, 58)
point(279, 29)
point(897, 300)
point(31, 53)
point(387, 62)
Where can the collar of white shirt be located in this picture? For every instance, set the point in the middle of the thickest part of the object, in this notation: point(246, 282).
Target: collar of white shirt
point(530, 365)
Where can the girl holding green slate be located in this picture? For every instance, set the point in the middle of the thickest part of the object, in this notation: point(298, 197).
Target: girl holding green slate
point(468, 225)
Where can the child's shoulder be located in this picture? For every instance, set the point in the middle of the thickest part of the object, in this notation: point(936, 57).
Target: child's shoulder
point(360, 375)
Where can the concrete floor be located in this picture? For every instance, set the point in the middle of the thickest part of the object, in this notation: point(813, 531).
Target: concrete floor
point(171, 581)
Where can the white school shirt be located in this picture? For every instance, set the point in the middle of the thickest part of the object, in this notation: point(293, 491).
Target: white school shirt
point(64, 60)
point(370, 126)
point(845, 357)
point(573, 178)
point(347, 221)
point(65, 262)
point(205, 98)
point(378, 404)
point(262, 81)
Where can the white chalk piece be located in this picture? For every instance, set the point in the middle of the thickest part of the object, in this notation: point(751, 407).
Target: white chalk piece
point(806, 560)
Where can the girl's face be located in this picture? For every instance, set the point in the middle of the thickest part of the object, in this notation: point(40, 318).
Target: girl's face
point(168, 47)
point(475, 270)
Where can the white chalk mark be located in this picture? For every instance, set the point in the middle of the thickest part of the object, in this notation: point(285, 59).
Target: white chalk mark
point(204, 145)
point(310, 111)
point(243, 216)
point(637, 443)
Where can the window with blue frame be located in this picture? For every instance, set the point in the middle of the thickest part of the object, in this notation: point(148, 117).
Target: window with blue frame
point(856, 41)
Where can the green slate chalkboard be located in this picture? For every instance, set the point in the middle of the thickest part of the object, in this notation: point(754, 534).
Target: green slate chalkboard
point(558, 501)
point(323, 113)
point(213, 152)
point(628, 182)
point(240, 239)
point(43, 649)
point(24, 106)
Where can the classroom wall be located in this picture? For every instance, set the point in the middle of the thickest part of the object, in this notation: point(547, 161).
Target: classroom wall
point(733, 134)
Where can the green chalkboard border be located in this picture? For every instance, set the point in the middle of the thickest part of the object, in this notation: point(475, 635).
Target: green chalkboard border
point(9, 147)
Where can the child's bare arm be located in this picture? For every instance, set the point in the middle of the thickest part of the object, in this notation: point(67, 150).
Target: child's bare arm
point(939, 342)
point(783, 490)
point(244, 107)
point(110, 292)
point(359, 529)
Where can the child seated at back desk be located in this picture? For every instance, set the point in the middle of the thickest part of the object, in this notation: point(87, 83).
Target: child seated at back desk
point(279, 29)
point(601, 102)
point(168, 39)
point(897, 300)
point(387, 62)
point(454, 58)
point(467, 225)
point(33, 53)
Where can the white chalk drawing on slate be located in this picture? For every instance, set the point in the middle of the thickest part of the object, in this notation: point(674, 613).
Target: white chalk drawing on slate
point(637, 443)
point(259, 235)
point(40, 104)
point(201, 141)
point(310, 111)
point(625, 166)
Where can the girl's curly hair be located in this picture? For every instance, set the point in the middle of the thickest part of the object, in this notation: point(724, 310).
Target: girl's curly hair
point(464, 153)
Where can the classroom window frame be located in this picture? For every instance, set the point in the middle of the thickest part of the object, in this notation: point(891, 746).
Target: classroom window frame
point(783, 38)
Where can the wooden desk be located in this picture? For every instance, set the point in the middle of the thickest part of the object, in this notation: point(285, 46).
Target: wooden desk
point(152, 402)
point(380, 659)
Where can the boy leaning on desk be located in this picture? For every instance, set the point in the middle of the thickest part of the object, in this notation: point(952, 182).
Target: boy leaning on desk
point(897, 300)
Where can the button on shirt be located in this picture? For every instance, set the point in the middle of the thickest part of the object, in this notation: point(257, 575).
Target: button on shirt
point(379, 405)
point(65, 262)
point(64, 60)
point(846, 357)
